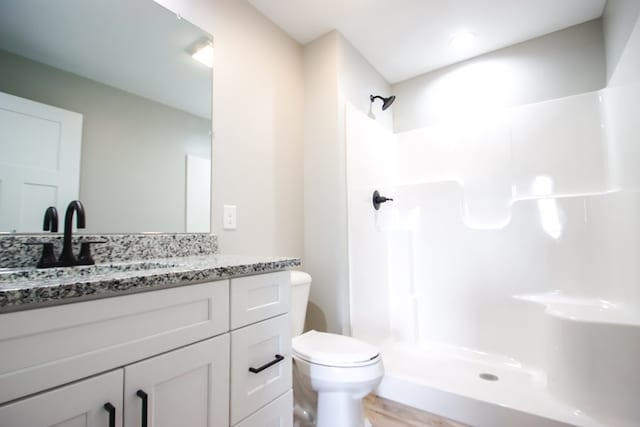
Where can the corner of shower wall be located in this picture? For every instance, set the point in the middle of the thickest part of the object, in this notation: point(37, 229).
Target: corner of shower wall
point(620, 107)
point(370, 153)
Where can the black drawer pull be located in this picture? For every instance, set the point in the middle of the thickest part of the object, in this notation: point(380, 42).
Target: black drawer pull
point(278, 359)
point(145, 401)
point(112, 413)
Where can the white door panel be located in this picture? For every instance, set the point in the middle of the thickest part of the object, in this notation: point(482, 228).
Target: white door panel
point(40, 149)
point(198, 195)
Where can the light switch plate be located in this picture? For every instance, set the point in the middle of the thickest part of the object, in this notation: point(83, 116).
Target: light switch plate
point(229, 217)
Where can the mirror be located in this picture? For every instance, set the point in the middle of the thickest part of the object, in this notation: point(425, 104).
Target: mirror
point(103, 101)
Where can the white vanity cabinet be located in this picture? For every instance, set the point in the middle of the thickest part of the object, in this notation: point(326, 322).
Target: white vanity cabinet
point(163, 358)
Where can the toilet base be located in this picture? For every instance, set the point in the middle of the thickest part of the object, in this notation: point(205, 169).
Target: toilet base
point(332, 403)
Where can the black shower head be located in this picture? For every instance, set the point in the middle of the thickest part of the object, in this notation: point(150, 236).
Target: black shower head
point(386, 102)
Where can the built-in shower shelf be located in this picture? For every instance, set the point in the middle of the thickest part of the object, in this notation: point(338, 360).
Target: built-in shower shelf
point(592, 347)
point(584, 309)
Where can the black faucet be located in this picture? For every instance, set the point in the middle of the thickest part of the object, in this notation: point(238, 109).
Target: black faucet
point(50, 220)
point(67, 259)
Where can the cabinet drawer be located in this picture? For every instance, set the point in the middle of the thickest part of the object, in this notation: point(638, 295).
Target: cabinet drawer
point(278, 413)
point(255, 298)
point(78, 404)
point(43, 348)
point(256, 346)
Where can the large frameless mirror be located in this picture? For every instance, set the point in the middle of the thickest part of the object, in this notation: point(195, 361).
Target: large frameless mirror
point(109, 102)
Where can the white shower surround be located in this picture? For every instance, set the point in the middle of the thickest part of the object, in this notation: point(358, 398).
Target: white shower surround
point(512, 249)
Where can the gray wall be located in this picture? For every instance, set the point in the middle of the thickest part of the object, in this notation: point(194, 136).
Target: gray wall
point(132, 175)
point(619, 19)
point(258, 126)
point(560, 64)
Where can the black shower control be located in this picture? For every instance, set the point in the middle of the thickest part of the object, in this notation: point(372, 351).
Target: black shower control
point(378, 200)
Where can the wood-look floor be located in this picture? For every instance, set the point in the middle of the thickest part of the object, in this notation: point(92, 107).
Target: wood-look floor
point(386, 413)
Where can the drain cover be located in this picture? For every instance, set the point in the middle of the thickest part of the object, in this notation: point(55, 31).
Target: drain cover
point(488, 377)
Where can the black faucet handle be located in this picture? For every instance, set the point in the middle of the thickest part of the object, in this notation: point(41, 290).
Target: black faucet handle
point(85, 257)
point(48, 258)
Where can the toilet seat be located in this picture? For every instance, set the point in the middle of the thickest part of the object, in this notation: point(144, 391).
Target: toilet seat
point(334, 350)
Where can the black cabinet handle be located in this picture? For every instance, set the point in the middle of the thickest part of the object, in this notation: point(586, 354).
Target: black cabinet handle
point(112, 413)
point(145, 406)
point(278, 359)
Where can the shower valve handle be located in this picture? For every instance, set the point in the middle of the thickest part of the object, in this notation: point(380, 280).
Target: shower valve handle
point(378, 200)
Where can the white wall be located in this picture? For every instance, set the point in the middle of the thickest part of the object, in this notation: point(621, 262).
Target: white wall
point(358, 79)
point(257, 156)
point(619, 19)
point(335, 73)
point(622, 106)
point(563, 63)
point(324, 235)
point(623, 28)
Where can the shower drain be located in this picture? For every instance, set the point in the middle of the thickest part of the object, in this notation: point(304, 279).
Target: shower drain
point(488, 377)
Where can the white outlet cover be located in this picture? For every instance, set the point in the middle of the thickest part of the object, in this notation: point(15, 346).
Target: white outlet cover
point(229, 221)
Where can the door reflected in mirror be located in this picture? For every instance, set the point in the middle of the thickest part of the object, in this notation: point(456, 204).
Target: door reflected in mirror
point(103, 101)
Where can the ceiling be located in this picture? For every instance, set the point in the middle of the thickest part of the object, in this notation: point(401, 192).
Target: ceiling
point(137, 46)
point(406, 38)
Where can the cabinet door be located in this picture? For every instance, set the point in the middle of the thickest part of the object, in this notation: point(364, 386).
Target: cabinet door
point(185, 387)
point(81, 404)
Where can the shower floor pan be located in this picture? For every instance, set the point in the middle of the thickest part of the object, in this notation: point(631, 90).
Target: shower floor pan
point(478, 393)
point(591, 376)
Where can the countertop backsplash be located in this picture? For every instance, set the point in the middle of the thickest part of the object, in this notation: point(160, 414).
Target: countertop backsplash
point(15, 250)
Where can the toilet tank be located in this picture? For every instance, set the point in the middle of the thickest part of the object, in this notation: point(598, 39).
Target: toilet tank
point(300, 284)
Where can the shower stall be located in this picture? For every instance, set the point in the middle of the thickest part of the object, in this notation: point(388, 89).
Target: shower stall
point(503, 282)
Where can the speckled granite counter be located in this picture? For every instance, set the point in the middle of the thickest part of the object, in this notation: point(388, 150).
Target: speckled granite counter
point(27, 288)
point(17, 250)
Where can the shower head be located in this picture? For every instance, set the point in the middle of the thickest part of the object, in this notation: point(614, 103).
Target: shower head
point(386, 102)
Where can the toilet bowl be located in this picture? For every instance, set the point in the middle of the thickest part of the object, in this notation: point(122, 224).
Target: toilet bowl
point(331, 373)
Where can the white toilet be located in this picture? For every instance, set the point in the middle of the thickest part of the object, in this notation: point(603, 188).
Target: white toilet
point(331, 373)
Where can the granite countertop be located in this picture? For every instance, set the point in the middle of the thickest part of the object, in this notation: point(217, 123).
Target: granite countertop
point(27, 288)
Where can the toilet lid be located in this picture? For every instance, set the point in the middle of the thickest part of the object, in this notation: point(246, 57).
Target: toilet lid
point(333, 350)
